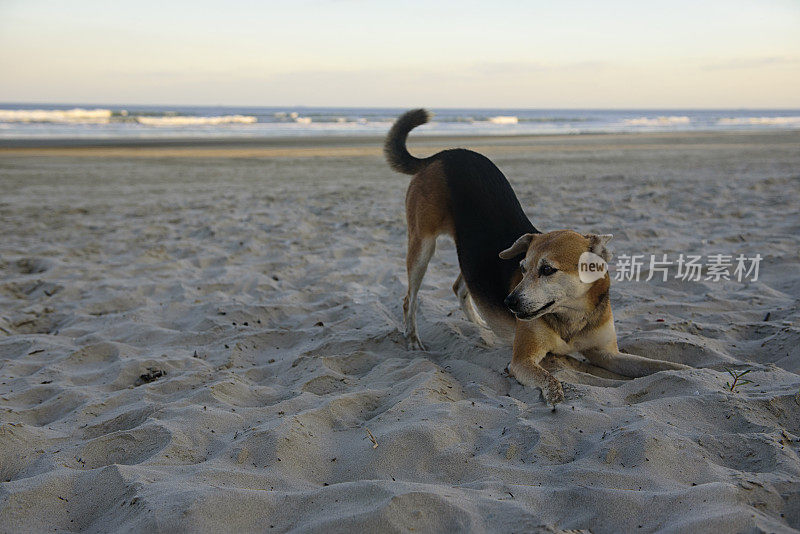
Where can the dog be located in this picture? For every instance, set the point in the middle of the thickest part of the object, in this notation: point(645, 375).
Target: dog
point(523, 284)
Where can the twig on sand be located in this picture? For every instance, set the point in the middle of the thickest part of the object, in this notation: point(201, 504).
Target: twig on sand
point(737, 379)
point(371, 437)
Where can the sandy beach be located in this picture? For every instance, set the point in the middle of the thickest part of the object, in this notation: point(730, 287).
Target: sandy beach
point(205, 336)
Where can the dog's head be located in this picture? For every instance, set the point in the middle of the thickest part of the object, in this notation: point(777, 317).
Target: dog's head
point(551, 278)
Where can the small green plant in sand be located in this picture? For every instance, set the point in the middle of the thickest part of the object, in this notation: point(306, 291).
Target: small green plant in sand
point(737, 379)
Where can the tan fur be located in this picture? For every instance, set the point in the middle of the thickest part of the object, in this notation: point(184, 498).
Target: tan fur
point(467, 303)
point(580, 321)
point(530, 347)
point(428, 204)
point(583, 324)
point(428, 216)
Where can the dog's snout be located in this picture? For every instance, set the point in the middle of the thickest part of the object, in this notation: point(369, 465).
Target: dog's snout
point(512, 301)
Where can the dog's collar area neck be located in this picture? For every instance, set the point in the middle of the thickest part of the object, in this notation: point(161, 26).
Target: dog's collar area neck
point(567, 328)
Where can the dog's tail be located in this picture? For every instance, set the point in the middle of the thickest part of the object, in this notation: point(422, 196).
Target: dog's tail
point(395, 147)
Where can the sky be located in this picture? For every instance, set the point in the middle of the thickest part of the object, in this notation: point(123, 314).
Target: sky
point(502, 53)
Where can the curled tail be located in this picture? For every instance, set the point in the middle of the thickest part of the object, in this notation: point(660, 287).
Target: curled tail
point(395, 147)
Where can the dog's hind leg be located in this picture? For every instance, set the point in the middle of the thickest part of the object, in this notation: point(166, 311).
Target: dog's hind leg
point(420, 251)
point(428, 217)
point(466, 302)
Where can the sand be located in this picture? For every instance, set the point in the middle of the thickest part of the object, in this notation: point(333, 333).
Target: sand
point(206, 338)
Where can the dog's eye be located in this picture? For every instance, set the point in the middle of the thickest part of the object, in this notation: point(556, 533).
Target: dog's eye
point(546, 270)
point(522, 268)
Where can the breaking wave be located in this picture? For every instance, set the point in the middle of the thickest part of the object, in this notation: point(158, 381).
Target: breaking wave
point(186, 120)
point(504, 119)
point(107, 121)
point(285, 116)
point(774, 121)
point(657, 121)
point(106, 116)
point(77, 115)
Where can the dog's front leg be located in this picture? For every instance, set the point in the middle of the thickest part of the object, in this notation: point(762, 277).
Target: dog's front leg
point(629, 365)
point(530, 347)
point(466, 302)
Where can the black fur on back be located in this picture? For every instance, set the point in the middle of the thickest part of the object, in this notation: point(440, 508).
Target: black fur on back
point(488, 218)
point(487, 215)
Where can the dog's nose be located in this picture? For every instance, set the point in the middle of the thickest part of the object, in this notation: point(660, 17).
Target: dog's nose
point(511, 301)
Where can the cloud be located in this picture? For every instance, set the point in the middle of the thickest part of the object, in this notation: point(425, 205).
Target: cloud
point(753, 62)
point(519, 68)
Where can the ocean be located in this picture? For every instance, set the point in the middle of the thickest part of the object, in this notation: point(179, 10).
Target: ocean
point(43, 121)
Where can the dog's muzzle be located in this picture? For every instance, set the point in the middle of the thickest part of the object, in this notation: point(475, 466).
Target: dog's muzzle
point(512, 302)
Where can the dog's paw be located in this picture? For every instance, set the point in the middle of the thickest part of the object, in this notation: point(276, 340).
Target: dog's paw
point(553, 393)
point(413, 343)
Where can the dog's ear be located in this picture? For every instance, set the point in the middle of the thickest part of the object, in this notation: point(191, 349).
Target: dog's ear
point(520, 245)
point(597, 244)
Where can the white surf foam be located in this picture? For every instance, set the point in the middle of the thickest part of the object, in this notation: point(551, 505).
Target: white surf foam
point(77, 115)
point(180, 120)
point(504, 119)
point(777, 121)
point(657, 121)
